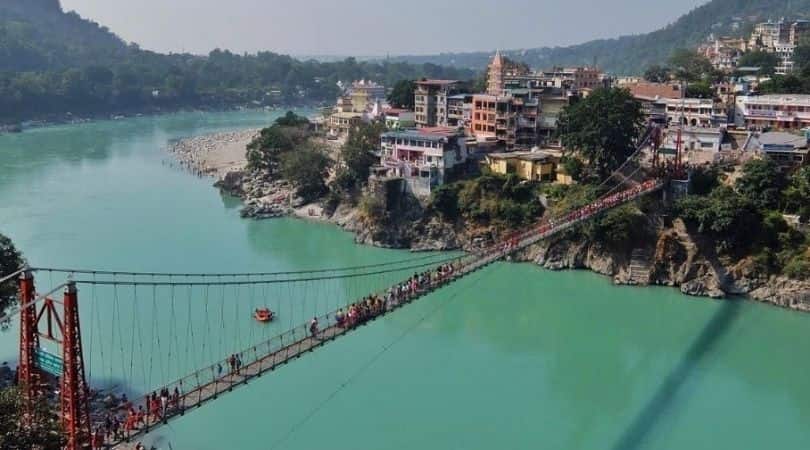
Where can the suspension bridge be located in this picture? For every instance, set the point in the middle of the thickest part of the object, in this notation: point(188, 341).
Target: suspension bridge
point(172, 342)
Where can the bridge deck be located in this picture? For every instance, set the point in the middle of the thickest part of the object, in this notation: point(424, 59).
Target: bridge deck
point(299, 341)
point(227, 382)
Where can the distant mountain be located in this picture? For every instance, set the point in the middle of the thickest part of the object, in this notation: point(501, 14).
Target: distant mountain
point(38, 35)
point(53, 63)
point(630, 55)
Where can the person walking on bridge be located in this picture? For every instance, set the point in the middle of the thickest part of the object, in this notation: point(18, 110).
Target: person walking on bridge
point(313, 327)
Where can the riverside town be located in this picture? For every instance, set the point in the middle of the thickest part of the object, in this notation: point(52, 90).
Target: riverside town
point(278, 225)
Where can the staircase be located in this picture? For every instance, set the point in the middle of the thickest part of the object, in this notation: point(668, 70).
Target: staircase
point(640, 266)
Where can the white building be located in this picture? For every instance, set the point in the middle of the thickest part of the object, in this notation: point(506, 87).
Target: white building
point(695, 112)
point(423, 156)
point(778, 111)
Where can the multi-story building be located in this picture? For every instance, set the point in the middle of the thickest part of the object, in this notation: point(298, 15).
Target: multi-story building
point(459, 110)
point(799, 30)
point(695, 112)
point(501, 70)
point(778, 112)
point(341, 122)
point(784, 54)
point(724, 53)
point(369, 89)
point(663, 103)
point(399, 119)
point(780, 38)
point(430, 102)
point(510, 120)
point(535, 99)
point(423, 156)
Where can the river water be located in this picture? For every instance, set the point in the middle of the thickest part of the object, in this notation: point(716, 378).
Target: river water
point(510, 357)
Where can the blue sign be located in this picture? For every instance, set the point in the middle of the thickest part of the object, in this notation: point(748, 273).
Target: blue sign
point(50, 363)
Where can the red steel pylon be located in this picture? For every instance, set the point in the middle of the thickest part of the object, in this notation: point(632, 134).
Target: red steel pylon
point(27, 375)
point(75, 404)
point(75, 392)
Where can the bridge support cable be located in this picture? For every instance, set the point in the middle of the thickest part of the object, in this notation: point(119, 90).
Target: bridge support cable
point(78, 271)
point(295, 296)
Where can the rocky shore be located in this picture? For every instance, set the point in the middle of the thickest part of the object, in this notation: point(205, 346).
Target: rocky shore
point(222, 156)
point(672, 257)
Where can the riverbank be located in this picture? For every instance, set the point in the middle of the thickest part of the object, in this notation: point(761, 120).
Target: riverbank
point(672, 257)
point(223, 157)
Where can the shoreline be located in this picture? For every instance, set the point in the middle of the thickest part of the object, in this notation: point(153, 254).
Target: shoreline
point(65, 119)
point(221, 156)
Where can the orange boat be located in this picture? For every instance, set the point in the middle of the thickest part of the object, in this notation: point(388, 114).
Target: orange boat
point(264, 315)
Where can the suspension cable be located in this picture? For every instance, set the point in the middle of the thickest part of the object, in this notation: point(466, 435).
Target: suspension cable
point(260, 282)
point(225, 274)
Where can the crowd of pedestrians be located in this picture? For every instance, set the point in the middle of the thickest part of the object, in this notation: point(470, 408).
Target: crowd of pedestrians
point(375, 305)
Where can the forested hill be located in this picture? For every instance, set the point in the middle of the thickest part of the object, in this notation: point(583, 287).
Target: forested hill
point(37, 35)
point(54, 62)
point(630, 55)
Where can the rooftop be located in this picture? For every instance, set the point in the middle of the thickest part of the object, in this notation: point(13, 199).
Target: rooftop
point(782, 138)
point(525, 156)
point(437, 82)
point(426, 134)
point(793, 99)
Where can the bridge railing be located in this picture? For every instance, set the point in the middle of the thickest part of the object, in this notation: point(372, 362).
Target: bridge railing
point(209, 382)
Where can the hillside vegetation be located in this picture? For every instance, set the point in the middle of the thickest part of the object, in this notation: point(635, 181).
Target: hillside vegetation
point(630, 55)
point(53, 62)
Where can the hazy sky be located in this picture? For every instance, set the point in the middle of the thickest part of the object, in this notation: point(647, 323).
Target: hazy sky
point(373, 27)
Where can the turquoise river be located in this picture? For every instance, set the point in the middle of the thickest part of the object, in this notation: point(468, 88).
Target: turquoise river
point(512, 357)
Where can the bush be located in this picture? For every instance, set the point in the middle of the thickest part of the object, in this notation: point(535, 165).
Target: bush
point(798, 268)
point(621, 226)
point(762, 183)
point(372, 208)
point(306, 169)
point(10, 261)
point(732, 219)
point(703, 180)
point(489, 200)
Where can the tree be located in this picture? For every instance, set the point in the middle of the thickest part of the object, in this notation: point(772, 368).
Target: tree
point(700, 89)
point(703, 180)
point(797, 194)
point(690, 66)
point(10, 261)
point(401, 96)
point(604, 128)
point(292, 119)
point(765, 61)
point(357, 155)
point(306, 168)
point(731, 218)
point(288, 132)
point(785, 84)
point(761, 183)
point(45, 434)
point(621, 226)
point(658, 74)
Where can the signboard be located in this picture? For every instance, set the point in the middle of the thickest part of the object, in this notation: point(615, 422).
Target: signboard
point(48, 362)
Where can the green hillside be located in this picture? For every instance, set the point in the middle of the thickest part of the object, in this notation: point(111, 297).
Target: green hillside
point(630, 55)
point(53, 62)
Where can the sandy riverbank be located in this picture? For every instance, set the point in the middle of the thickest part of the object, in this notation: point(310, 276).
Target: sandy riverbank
point(214, 154)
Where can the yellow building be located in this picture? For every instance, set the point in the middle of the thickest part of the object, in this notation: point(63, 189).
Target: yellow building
point(534, 166)
point(563, 177)
point(342, 122)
